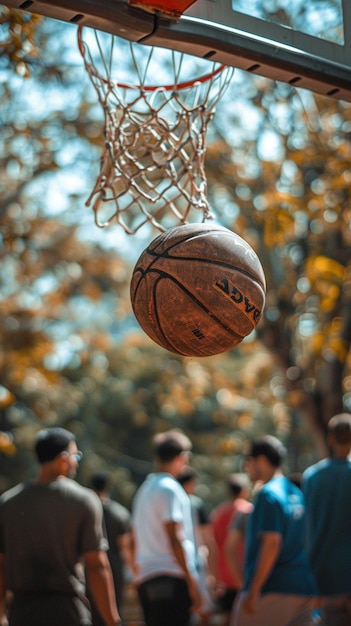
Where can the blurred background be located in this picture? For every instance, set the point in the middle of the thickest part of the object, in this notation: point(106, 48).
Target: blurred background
point(278, 166)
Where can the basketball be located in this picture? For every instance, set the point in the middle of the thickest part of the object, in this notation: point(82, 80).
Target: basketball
point(198, 289)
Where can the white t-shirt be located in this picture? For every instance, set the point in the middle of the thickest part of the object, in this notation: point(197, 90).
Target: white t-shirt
point(161, 499)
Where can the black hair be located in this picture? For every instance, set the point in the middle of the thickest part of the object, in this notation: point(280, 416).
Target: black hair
point(237, 482)
point(340, 427)
point(187, 475)
point(270, 447)
point(99, 481)
point(50, 442)
point(170, 444)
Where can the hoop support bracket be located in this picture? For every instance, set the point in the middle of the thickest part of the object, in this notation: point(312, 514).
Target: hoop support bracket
point(327, 74)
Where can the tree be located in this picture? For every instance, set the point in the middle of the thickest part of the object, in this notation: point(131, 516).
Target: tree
point(278, 166)
point(295, 209)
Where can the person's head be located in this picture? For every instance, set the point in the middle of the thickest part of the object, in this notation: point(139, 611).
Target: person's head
point(172, 449)
point(265, 458)
point(187, 478)
point(56, 451)
point(239, 486)
point(99, 482)
point(339, 434)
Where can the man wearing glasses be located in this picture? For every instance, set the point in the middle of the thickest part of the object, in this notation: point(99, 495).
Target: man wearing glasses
point(50, 533)
point(279, 585)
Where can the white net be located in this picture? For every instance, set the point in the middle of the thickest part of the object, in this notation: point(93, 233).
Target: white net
point(152, 167)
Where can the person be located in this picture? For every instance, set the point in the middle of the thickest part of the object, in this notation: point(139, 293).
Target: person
point(238, 486)
point(117, 520)
point(327, 489)
point(49, 529)
point(235, 542)
point(279, 586)
point(203, 540)
point(164, 540)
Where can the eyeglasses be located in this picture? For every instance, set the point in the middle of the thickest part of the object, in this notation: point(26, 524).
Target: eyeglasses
point(76, 455)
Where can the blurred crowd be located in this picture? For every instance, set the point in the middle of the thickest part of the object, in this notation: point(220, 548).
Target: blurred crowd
point(275, 552)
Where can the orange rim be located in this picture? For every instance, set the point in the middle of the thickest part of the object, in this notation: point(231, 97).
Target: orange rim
point(177, 87)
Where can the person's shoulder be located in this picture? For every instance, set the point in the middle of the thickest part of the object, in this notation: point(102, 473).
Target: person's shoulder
point(155, 484)
point(273, 490)
point(320, 466)
point(166, 483)
point(12, 493)
point(116, 508)
point(243, 506)
point(196, 501)
point(70, 489)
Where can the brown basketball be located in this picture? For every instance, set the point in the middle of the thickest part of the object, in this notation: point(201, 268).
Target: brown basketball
point(198, 289)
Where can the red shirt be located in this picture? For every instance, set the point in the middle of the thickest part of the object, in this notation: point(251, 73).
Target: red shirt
point(221, 518)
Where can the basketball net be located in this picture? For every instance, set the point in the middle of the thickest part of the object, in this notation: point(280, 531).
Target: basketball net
point(152, 167)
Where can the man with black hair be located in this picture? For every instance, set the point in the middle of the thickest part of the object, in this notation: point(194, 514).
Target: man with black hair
point(164, 538)
point(327, 489)
point(279, 586)
point(51, 528)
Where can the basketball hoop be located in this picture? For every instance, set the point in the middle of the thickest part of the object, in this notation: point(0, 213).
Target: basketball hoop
point(152, 167)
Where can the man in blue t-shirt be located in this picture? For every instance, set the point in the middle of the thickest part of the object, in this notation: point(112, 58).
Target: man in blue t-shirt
point(279, 585)
point(327, 489)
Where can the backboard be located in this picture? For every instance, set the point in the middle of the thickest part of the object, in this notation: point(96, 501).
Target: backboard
point(306, 43)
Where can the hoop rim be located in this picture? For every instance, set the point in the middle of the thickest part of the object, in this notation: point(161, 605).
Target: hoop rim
point(151, 88)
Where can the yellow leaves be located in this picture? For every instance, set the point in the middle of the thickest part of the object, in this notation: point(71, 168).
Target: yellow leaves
point(318, 342)
point(20, 44)
point(229, 446)
point(326, 276)
point(328, 343)
point(245, 421)
point(6, 397)
point(324, 267)
point(337, 348)
point(92, 290)
point(278, 226)
point(6, 444)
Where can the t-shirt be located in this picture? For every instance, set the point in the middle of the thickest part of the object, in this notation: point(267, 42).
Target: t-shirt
point(199, 508)
point(239, 522)
point(221, 518)
point(159, 500)
point(327, 489)
point(45, 529)
point(117, 521)
point(279, 508)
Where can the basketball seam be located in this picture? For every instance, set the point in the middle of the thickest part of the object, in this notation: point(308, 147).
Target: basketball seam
point(198, 302)
point(218, 262)
point(186, 238)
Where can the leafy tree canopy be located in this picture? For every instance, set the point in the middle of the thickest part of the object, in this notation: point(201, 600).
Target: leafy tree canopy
point(278, 164)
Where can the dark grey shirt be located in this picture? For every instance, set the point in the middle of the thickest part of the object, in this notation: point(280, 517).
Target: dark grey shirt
point(44, 532)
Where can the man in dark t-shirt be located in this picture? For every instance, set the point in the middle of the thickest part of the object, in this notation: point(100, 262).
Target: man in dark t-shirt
point(50, 532)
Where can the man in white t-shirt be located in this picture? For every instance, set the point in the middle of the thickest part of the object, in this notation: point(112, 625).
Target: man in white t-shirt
point(164, 539)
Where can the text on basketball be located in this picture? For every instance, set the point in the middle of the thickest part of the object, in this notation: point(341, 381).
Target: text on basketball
point(232, 292)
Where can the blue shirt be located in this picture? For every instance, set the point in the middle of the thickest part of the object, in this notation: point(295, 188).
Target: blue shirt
point(279, 508)
point(327, 489)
